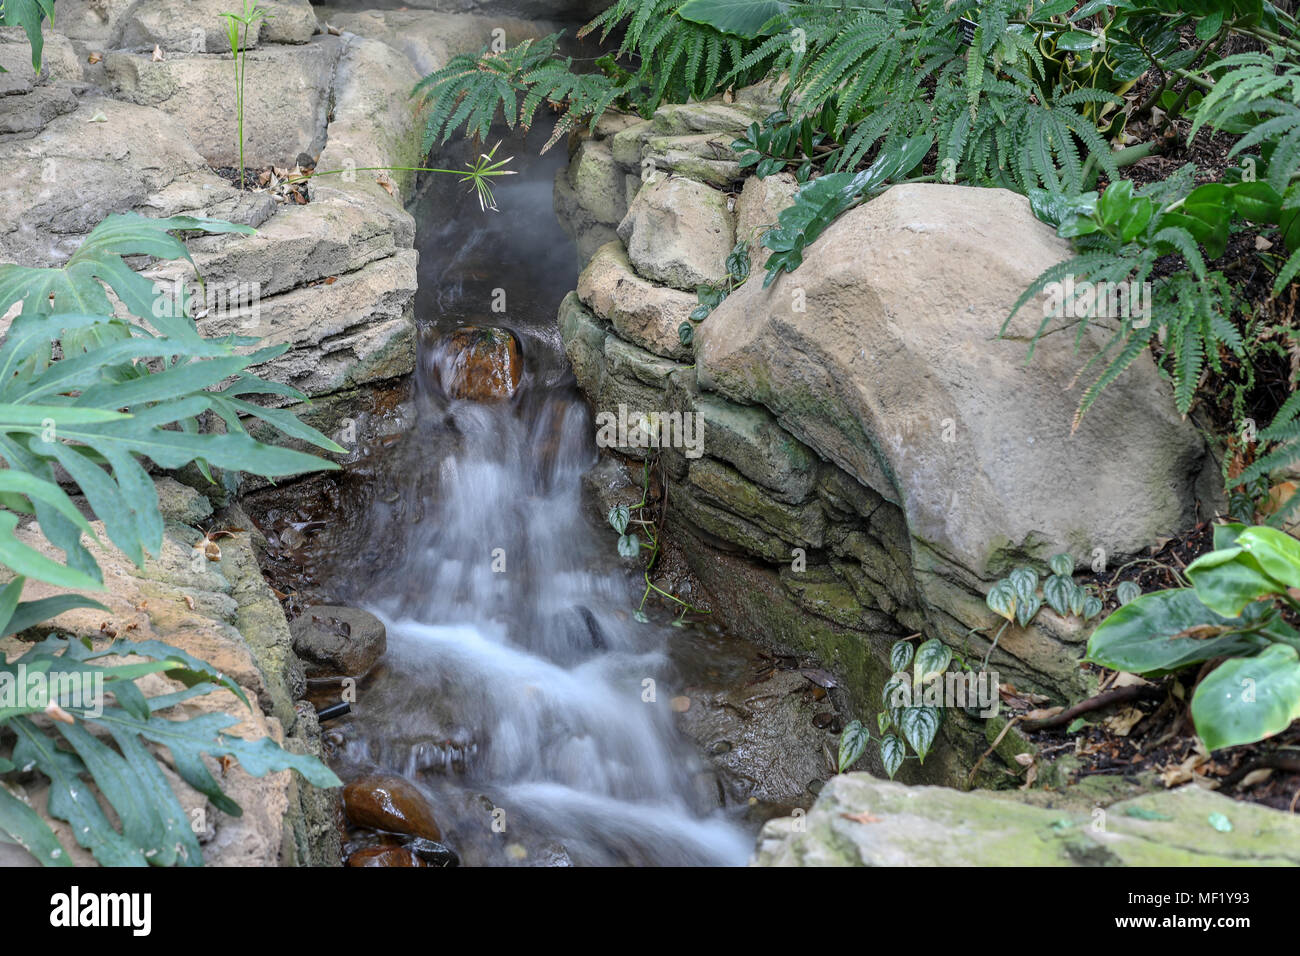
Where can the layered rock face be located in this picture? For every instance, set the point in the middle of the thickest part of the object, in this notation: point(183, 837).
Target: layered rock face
point(873, 457)
point(134, 111)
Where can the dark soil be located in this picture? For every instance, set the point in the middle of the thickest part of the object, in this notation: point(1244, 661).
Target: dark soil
point(282, 184)
point(1162, 744)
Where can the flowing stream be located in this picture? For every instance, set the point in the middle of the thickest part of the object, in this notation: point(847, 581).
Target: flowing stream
point(516, 689)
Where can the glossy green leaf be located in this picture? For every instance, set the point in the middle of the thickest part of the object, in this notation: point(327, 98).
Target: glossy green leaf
point(1057, 591)
point(1153, 635)
point(932, 657)
point(1001, 599)
point(900, 656)
point(892, 753)
point(853, 744)
point(1248, 698)
point(1228, 580)
point(1062, 564)
point(920, 725)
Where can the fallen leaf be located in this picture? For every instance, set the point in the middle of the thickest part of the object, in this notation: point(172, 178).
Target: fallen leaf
point(1043, 713)
point(1125, 679)
point(95, 58)
point(55, 712)
point(1120, 724)
point(862, 817)
point(819, 677)
point(99, 117)
point(189, 601)
point(1024, 760)
point(387, 183)
point(1255, 777)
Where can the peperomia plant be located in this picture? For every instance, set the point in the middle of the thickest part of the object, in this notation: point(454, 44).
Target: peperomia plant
point(1017, 596)
point(1233, 612)
point(911, 708)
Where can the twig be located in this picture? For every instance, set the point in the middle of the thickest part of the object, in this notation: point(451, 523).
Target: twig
point(994, 746)
point(1267, 761)
point(1117, 696)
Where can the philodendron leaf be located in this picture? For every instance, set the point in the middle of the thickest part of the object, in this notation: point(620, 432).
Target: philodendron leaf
point(1166, 631)
point(853, 743)
point(1058, 590)
point(900, 656)
point(1248, 698)
point(1276, 551)
point(1001, 599)
point(892, 752)
point(920, 725)
point(932, 657)
point(1228, 580)
point(742, 18)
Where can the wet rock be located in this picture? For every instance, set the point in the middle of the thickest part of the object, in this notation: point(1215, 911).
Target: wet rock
point(479, 364)
point(336, 641)
point(391, 803)
point(385, 856)
point(434, 853)
point(761, 738)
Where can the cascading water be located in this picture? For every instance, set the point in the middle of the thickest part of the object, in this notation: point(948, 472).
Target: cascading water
point(516, 687)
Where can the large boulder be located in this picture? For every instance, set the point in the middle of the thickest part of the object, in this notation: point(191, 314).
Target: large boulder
point(859, 820)
point(881, 353)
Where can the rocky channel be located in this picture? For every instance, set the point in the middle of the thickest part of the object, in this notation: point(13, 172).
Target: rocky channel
point(871, 455)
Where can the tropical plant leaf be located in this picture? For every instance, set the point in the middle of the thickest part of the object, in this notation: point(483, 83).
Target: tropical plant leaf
point(853, 744)
point(1246, 699)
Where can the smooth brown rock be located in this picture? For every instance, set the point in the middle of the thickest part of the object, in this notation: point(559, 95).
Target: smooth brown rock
point(388, 802)
point(478, 364)
point(385, 856)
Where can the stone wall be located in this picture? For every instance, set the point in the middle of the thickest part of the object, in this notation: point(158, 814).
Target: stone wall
point(873, 456)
